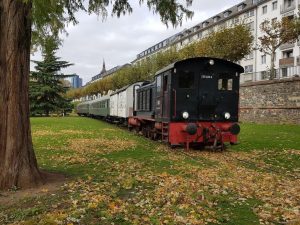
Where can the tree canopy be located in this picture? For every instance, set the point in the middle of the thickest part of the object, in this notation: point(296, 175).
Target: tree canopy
point(46, 89)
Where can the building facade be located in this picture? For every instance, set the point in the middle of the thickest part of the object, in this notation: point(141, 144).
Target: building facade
point(251, 13)
point(76, 81)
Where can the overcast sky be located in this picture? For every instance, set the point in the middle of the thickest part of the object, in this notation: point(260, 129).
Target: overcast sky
point(119, 40)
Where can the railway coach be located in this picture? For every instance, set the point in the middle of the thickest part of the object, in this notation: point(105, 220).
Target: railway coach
point(122, 103)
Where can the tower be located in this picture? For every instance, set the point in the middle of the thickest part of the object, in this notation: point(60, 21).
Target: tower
point(103, 68)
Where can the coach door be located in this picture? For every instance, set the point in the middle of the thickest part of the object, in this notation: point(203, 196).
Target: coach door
point(162, 109)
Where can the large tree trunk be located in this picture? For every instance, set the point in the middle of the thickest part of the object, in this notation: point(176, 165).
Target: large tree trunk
point(18, 165)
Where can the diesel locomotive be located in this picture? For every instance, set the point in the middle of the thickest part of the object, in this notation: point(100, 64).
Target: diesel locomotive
point(190, 102)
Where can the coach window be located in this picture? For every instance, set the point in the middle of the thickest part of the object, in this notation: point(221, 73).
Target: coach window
point(144, 100)
point(140, 101)
point(186, 79)
point(225, 84)
point(148, 100)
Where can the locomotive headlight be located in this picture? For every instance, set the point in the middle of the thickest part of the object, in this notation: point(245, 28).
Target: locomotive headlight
point(227, 115)
point(211, 62)
point(185, 115)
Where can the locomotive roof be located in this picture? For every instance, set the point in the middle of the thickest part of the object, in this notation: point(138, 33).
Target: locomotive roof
point(172, 65)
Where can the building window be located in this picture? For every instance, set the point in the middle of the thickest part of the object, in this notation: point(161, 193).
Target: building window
point(274, 5)
point(196, 28)
point(263, 59)
point(226, 14)
point(249, 13)
point(284, 72)
point(287, 54)
point(288, 3)
point(249, 69)
point(204, 24)
point(216, 19)
point(264, 9)
point(250, 26)
point(241, 7)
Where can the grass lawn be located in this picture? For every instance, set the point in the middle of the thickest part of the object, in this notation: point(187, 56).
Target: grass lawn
point(117, 177)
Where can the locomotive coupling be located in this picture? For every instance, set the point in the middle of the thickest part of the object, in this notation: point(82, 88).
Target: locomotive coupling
point(191, 128)
point(235, 129)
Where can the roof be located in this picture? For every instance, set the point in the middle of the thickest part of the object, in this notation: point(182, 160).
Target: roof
point(124, 88)
point(105, 97)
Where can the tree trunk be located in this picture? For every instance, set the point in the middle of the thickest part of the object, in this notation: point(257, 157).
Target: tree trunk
point(273, 71)
point(18, 165)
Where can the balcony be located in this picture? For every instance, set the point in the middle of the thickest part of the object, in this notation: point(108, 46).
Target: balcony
point(286, 62)
point(287, 8)
point(286, 46)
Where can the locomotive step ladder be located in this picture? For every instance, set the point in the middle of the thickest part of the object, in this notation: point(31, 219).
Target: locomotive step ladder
point(165, 132)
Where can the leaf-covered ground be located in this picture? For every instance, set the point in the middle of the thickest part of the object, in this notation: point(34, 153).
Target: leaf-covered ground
point(117, 177)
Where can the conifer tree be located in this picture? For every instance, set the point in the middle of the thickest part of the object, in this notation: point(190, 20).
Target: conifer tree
point(46, 92)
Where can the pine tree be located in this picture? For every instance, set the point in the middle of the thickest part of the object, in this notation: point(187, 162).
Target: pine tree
point(46, 90)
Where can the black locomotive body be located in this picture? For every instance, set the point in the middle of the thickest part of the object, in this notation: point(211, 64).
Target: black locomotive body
point(194, 101)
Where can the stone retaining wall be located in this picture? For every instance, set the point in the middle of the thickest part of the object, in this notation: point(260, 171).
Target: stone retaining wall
point(276, 101)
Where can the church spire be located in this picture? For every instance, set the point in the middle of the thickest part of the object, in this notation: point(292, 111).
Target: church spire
point(103, 68)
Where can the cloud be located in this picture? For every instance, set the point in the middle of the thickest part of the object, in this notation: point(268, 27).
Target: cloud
point(119, 40)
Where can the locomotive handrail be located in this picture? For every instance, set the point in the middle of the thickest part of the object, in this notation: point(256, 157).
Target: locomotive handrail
point(174, 115)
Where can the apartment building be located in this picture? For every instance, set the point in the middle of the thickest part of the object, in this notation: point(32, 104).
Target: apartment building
point(252, 13)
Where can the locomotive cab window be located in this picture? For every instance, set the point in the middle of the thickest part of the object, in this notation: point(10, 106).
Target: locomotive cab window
point(186, 79)
point(225, 84)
